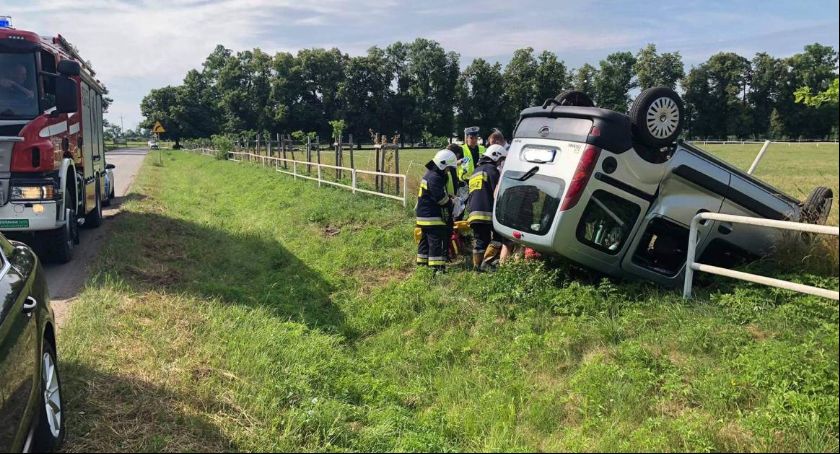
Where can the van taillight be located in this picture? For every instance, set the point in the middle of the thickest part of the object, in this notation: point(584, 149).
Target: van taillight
point(581, 177)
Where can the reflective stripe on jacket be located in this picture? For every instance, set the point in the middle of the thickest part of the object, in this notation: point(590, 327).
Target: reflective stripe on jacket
point(482, 187)
point(433, 202)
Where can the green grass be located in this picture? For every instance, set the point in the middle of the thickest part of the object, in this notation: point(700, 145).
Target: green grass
point(236, 309)
point(794, 168)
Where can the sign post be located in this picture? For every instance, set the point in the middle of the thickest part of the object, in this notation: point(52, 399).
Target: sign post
point(158, 130)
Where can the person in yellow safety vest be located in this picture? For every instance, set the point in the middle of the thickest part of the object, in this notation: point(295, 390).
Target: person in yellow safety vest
point(434, 208)
point(453, 180)
point(482, 197)
point(472, 153)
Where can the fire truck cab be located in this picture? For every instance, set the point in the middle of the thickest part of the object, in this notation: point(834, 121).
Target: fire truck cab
point(52, 152)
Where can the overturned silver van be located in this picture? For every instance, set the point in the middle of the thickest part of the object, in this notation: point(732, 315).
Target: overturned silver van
point(617, 193)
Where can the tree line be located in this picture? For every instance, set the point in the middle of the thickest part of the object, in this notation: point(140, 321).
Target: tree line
point(419, 90)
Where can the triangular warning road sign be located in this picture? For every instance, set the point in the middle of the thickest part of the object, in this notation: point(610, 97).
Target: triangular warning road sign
point(158, 129)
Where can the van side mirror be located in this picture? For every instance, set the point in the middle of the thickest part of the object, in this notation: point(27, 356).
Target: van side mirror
point(69, 68)
point(110, 166)
point(66, 95)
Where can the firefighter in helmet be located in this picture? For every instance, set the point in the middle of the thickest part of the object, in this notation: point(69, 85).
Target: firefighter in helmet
point(434, 210)
point(472, 153)
point(482, 194)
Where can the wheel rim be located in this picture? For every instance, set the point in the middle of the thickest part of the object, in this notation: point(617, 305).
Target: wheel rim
point(663, 117)
point(52, 395)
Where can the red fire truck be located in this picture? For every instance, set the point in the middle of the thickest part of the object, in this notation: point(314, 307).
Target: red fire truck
point(53, 175)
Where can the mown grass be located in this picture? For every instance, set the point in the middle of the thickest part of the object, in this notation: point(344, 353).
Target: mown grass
point(236, 309)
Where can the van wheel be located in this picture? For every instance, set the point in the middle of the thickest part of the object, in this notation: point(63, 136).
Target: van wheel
point(817, 206)
point(657, 117)
point(574, 98)
point(49, 431)
point(94, 218)
point(61, 241)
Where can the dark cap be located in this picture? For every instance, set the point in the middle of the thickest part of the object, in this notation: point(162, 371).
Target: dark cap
point(471, 131)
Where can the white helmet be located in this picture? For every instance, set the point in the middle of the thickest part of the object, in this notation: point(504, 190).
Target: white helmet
point(445, 158)
point(495, 152)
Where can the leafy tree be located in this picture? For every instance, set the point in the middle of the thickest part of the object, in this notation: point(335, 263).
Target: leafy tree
point(829, 96)
point(479, 90)
point(614, 81)
point(551, 78)
point(654, 70)
point(321, 72)
point(365, 92)
point(583, 79)
point(337, 129)
point(767, 85)
point(433, 75)
point(520, 84)
point(163, 104)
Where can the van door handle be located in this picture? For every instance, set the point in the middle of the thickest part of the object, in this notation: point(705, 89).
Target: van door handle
point(29, 306)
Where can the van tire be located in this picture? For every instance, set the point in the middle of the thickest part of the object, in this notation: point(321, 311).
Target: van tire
point(94, 218)
point(817, 206)
point(657, 117)
point(574, 98)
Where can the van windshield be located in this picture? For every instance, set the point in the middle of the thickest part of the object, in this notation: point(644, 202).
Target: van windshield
point(530, 205)
point(18, 93)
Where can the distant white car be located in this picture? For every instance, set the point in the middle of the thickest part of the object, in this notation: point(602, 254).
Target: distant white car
point(153, 145)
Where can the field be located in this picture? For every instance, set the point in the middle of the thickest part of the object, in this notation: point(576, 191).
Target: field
point(237, 309)
point(789, 167)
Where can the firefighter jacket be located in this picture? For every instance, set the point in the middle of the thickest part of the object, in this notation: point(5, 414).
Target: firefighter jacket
point(482, 188)
point(433, 203)
point(467, 167)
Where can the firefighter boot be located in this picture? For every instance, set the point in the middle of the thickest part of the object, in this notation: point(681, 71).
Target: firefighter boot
point(478, 258)
point(490, 255)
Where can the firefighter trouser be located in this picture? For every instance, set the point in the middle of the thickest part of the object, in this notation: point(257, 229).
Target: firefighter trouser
point(483, 234)
point(433, 247)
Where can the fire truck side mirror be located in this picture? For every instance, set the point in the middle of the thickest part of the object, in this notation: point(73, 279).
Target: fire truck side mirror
point(66, 95)
point(69, 68)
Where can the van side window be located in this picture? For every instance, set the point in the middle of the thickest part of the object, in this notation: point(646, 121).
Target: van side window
point(607, 221)
point(663, 247)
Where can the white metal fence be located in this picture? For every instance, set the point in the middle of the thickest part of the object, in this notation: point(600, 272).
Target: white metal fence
point(760, 142)
point(291, 166)
point(692, 266)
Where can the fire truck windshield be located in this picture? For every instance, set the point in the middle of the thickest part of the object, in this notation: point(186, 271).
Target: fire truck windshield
point(18, 88)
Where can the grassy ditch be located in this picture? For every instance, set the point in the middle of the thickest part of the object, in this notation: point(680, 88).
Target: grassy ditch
point(237, 309)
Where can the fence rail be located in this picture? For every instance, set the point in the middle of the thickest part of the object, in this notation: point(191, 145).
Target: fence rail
point(760, 142)
point(692, 266)
point(282, 165)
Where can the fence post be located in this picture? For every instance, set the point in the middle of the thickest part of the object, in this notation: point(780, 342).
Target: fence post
point(397, 165)
point(353, 183)
point(319, 174)
point(758, 157)
point(689, 262)
point(352, 164)
point(308, 154)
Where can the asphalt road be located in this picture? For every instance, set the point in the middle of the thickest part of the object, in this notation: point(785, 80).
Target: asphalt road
point(65, 281)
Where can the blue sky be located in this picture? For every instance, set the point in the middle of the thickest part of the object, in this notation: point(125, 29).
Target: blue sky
point(138, 45)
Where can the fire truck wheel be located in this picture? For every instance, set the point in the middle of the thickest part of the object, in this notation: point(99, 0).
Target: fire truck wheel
point(94, 218)
point(61, 241)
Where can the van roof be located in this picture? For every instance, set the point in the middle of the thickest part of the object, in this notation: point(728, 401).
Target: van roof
point(610, 130)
